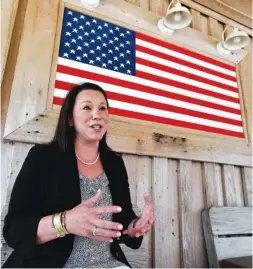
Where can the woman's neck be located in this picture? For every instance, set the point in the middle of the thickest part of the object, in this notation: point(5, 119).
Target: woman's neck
point(86, 150)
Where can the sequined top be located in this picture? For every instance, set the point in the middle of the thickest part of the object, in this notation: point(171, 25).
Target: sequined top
point(88, 252)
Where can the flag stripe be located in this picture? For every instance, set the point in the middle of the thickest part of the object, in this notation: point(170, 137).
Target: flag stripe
point(142, 51)
point(115, 94)
point(163, 120)
point(65, 82)
point(164, 84)
point(192, 56)
point(179, 75)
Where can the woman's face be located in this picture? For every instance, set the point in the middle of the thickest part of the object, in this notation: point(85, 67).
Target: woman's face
point(90, 116)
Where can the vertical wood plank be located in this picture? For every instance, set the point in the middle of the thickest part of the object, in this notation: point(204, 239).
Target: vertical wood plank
point(233, 195)
point(196, 20)
point(197, 197)
point(144, 4)
point(173, 215)
point(8, 14)
point(191, 203)
point(212, 181)
point(139, 176)
point(215, 28)
point(14, 156)
point(204, 24)
point(39, 28)
point(186, 217)
point(247, 185)
point(134, 2)
point(161, 200)
point(159, 7)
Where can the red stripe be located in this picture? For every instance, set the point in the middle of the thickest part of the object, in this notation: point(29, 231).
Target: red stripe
point(136, 115)
point(132, 85)
point(170, 108)
point(67, 86)
point(142, 116)
point(184, 62)
point(170, 46)
point(181, 85)
point(185, 74)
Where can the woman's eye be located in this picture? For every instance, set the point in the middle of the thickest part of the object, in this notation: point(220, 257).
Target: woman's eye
point(86, 108)
point(103, 108)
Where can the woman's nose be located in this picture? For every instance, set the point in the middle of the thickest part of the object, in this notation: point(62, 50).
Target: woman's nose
point(96, 114)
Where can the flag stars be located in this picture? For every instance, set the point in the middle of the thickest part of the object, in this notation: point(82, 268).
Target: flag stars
point(128, 51)
point(92, 51)
point(98, 48)
point(116, 38)
point(91, 62)
point(87, 23)
point(116, 58)
point(69, 24)
point(93, 31)
point(70, 13)
point(128, 71)
point(122, 34)
point(74, 31)
point(68, 34)
point(127, 62)
point(128, 43)
point(121, 55)
point(105, 35)
point(98, 59)
point(128, 32)
point(85, 55)
point(79, 48)
point(86, 34)
point(86, 44)
point(66, 44)
point(116, 68)
point(78, 58)
point(110, 51)
point(94, 21)
point(104, 65)
point(75, 19)
point(99, 38)
point(122, 65)
point(100, 27)
point(73, 40)
point(81, 27)
point(117, 28)
point(72, 51)
point(104, 55)
point(104, 45)
point(111, 31)
point(65, 55)
point(82, 17)
point(116, 48)
point(92, 41)
point(109, 62)
point(105, 24)
point(110, 41)
point(121, 45)
point(80, 37)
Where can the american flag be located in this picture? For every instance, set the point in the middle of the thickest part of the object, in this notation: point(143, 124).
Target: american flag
point(146, 78)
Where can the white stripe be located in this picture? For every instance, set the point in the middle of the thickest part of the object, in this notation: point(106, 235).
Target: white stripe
point(156, 85)
point(184, 57)
point(184, 68)
point(187, 81)
point(162, 113)
point(172, 115)
point(157, 98)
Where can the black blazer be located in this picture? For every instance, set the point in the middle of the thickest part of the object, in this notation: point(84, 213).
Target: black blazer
point(48, 182)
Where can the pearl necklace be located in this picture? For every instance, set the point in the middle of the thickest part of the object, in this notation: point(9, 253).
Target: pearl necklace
point(87, 163)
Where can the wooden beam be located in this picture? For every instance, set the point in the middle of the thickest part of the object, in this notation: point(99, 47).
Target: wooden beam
point(239, 11)
point(212, 14)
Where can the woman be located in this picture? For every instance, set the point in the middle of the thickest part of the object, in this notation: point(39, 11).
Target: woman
point(70, 205)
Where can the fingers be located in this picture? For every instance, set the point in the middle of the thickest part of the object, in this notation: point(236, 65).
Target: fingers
point(107, 233)
point(94, 199)
point(106, 209)
point(108, 225)
point(147, 199)
point(103, 238)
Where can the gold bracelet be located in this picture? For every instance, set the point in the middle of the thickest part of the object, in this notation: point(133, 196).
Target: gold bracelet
point(58, 226)
point(63, 222)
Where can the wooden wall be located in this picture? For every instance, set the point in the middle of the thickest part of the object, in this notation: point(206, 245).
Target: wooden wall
point(180, 189)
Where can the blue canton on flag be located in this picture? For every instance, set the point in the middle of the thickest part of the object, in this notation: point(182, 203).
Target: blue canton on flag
point(96, 42)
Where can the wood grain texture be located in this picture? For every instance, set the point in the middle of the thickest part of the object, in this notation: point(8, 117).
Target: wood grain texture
point(166, 234)
point(212, 183)
point(30, 84)
point(233, 194)
point(14, 156)
point(8, 14)
point(231, 220)
point(239, 11)
point(233, 247)
point(215, 28)
point(196, 20)
point(217, 16)
point(247, 185)
point(139, 177)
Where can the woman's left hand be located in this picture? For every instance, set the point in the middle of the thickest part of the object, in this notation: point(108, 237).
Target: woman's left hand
point(144, 224)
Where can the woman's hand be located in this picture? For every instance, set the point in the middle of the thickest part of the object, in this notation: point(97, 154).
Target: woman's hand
point(84, 220)
point(144, 224)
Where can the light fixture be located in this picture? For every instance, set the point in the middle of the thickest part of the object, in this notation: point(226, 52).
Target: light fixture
point(176, 18)
point(90, 3)
point(233, 42)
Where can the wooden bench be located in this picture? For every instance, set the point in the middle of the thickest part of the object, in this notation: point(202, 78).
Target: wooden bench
point(228, 233)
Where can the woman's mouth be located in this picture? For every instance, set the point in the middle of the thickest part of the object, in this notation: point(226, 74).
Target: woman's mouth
point(96, 127)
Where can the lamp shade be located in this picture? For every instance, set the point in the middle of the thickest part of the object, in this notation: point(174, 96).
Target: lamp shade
point(236, 40)
point(90, 3)
point(177, 17)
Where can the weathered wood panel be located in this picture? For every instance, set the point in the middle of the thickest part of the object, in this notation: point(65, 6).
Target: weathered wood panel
point(212, 183)
point(30, 84)
point(8, 14)
point(233, 247)
point(247, 185)
point(231, 220)
point(233, 195)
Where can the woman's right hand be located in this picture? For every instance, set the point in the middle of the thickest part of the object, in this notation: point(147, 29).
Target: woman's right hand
point(82, 219)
